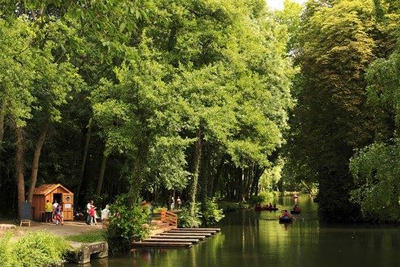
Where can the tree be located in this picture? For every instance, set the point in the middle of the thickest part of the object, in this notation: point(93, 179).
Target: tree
point(332, 116)
point(375, 167)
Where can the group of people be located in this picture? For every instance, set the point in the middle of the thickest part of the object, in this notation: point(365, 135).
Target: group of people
point(178, 203)
point(92, 216)
point(54, 212)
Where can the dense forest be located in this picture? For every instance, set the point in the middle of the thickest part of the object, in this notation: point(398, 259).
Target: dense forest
point(202, 99)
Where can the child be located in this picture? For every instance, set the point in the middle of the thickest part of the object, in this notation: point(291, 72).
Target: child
point(92, 213)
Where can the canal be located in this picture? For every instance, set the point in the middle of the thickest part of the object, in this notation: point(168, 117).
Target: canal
point(253, 239)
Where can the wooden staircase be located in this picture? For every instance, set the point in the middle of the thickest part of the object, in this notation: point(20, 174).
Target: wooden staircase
point(177, 237)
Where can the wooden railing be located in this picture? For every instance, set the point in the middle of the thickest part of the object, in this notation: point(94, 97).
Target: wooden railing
point(169, 217)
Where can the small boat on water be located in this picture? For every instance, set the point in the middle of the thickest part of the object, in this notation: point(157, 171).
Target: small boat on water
point(259, 208)
point(295, 210)
point(270, 209)
point(285, 219)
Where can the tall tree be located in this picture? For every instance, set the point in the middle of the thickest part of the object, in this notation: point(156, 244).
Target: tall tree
point(375, 167)
point(332, 116)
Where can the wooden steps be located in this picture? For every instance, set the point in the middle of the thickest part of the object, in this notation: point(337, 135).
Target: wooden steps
point(215, 230)
point(162, 244)
point(177, 237)
point(194, 232)
point(171, 240)
point(199, 238)
point(185, 234)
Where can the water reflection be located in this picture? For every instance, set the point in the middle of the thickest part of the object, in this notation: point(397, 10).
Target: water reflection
point(250, 238)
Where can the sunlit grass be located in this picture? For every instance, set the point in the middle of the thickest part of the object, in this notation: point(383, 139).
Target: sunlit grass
point(91, 237)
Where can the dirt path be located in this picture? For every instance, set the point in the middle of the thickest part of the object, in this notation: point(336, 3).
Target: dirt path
point(69, 228)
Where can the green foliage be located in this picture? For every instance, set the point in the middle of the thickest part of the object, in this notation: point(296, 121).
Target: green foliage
point(376, 169)
point(157, 73)
point(35, 249)
point(211, 213)
point(257, 199)
point(271, 176)
point(127, 224)
point(268, 196)
point(186, 220)
point(290, 17)
point(230, 206)
point(159, 209)
point(8, 258)
point(332, 117)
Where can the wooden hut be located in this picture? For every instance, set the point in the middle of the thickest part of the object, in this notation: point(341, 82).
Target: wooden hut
point(52, 192)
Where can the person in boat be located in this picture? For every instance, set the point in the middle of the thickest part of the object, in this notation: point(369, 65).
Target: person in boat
point(258, 207)
point(296, 208)
point(270, 206)
point(274, 206)
point(285, 214)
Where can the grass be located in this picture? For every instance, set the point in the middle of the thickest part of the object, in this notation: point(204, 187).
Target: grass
point(91, 237)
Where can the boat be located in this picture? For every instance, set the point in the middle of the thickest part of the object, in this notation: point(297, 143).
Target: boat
point(295, 211)
point(259, 208)
point(271, 209)
point(285, 219)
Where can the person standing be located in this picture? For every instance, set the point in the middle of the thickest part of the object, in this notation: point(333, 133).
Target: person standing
point(179, 202)
point(48, 207)
point(105, 213)
point(93, 215)
point(172, 203)
point(88, 208)
point(61, 212)
point(55, 206)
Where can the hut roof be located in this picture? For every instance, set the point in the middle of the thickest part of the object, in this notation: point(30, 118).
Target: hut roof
point(46, 189)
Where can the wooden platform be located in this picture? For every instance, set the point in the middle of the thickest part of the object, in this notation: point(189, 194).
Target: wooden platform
point(171, 240)
point(177, 238)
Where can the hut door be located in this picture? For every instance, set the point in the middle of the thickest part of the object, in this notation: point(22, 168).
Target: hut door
point(68, 207)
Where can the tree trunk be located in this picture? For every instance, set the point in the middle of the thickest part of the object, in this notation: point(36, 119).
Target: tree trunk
point(196, 172)
point(249, 182)
point(204, 175)
point(215, 177)
point(83, 165)
point(138, 171)
point(242, 185)
point(19, 168)
point(35, 161)
point(101, 175)
point(2, 115)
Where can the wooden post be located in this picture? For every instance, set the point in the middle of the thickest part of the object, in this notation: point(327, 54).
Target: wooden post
point(163, 215)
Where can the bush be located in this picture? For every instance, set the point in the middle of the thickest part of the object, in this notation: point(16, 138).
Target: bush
point(211, 213)
point(186, 220)
point(257, 199)
point(228, 206)
point(35, 249)
point(127, 224)
point(8, 258)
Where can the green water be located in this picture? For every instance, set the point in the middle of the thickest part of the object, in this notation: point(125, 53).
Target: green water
point(253, 239)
